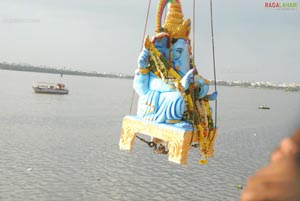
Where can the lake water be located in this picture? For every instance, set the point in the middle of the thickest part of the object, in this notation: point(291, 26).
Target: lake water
point(65, 147)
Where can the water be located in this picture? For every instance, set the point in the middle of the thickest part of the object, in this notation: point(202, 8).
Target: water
point(65, 147)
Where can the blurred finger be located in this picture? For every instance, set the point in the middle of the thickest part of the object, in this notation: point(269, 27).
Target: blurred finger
point(268, 191)
point(289, 147)
point(296, 136)
point(277, 155)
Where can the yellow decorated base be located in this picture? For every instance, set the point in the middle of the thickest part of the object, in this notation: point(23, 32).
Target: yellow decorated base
point(178, 139)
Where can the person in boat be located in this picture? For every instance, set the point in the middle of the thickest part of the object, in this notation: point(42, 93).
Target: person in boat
point(60, 86)
point(280, 179)
point(161, 93)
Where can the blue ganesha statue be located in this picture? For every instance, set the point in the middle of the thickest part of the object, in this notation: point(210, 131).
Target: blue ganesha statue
point(166, 79)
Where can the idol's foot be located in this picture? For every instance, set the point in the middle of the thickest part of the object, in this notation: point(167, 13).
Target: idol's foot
point(184, 124)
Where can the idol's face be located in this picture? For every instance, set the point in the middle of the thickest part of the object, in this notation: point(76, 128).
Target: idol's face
point(162, 45)
point(181, 56)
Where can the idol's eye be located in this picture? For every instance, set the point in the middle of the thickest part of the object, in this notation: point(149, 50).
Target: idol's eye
point(177, 53)
point(179, 50)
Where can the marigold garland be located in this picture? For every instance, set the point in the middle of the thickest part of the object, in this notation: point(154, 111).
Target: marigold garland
point(198, 111)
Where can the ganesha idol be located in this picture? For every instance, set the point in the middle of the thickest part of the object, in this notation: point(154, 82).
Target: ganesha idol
point(169, 87)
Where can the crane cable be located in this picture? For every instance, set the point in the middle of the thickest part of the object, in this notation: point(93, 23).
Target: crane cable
point(145, 28)
point(193, 60)
point(214, 60)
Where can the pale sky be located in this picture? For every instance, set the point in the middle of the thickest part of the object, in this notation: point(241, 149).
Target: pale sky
point(252, 43)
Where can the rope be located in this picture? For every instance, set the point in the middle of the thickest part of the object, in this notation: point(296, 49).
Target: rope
point(146, 23)
point(145, 28)
point(194, 11)
point(214, 62)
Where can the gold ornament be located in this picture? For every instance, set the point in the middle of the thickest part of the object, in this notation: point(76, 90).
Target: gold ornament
point(175, 25)
point(144, 70)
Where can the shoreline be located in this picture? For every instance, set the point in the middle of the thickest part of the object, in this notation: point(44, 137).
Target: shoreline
point(292, 87)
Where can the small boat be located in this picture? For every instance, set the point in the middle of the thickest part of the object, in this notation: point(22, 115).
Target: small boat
point(50, 88)
point(263, 107)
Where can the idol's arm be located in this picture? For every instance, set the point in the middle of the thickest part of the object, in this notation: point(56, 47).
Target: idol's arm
point(141, 83)
point(141, 78)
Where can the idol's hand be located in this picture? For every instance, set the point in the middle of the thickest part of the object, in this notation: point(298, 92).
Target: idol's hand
point(203, 90)
point(187, 79)
point(143, 58)
point(213, 96)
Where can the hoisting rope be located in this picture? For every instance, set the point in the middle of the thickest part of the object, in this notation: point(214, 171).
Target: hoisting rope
point(151, 144)
point(145, 28)
point(210, 139)
point(215, 83)
point(194, 14)
point(214, 62)
point(146, 23)
point(193, 59)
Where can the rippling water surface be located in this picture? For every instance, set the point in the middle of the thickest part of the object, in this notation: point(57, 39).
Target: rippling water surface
point(65, 147)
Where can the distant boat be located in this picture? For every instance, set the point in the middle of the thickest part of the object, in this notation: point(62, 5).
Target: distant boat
point(263, 107)
point(50, 88)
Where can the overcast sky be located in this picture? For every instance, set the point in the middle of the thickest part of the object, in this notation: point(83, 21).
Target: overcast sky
point(252, 42)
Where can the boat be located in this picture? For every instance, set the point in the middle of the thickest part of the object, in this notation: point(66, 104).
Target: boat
point(50, 88)
point(263, 107)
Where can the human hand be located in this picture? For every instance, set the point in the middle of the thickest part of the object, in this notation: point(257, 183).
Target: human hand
point(280, 180)
point(289, 147)
point(187, 79)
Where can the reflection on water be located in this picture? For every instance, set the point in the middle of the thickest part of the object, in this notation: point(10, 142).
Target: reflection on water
point(66, 147)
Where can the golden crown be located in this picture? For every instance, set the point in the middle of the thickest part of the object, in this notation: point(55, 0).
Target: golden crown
point(174, 24)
